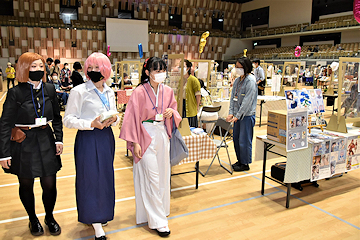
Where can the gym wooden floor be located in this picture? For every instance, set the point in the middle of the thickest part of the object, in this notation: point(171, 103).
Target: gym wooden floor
point(224, 207)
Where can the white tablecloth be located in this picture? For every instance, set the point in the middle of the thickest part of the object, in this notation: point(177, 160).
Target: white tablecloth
point(298, 163)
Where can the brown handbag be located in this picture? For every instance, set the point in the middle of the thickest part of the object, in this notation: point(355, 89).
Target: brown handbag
point(17, 135)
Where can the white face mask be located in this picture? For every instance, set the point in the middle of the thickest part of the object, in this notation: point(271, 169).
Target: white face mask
point(239, 71)
point(55, 77)
point(66, 67)
point(159, 77)
point(185, 71)
point(254, 66)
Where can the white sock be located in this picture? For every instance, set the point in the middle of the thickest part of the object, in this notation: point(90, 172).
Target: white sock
point(164, 229)
point(99, 231)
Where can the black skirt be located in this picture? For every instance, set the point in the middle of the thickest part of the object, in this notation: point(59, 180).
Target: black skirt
point(36, 155)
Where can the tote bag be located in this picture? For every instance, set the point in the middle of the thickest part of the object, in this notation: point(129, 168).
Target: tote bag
point(178, 149)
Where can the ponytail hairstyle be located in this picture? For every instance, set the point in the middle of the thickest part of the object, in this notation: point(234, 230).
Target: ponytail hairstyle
point(151, 64)
point(188, 65)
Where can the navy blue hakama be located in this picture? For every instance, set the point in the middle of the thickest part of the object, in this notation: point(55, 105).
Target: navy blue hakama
point(94, 158)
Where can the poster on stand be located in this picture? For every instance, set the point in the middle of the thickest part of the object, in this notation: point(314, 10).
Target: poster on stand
point(317, 101)
point(297, 120)
point(352, 153)
point(275, 83)
point(202, 70)
point(296, 133)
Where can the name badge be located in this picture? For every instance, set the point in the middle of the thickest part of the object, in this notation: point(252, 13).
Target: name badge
point(40, 121)
point(159, 117)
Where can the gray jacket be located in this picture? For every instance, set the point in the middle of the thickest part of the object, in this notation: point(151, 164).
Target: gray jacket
point(246, 93)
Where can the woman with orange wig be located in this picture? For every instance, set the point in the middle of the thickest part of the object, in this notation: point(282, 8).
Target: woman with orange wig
point(29, 147)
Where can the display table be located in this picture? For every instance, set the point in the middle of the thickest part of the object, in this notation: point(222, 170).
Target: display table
point(200, 147)
point(298, 163)
point(264, 99)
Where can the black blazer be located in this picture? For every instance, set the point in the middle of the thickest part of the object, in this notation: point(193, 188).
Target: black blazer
point(18, 108)
point(76, 78)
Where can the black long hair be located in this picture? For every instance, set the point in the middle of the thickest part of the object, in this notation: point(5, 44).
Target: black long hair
point(246, 63)
point(153, 63)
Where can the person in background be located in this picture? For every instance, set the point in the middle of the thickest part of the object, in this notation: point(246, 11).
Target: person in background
point(259, 76)
point(65, 77)
point(1, 79)
point(48, 64)
point(59, 90)
point(56, 67)
point(76, 77)
point(192, 95)
point(127, 80)
point(30, 107)
point(147, 127)
point(242, 113)
point(10, 75)
point(94, 148)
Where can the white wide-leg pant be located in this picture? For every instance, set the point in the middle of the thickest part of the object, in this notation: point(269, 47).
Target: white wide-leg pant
point(152, 179)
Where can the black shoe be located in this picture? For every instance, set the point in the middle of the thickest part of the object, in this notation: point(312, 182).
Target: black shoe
point(101, 238)
point(162, 234)
point(240, 168)
point(35, 228)
point(53, 226)
point(236, 164)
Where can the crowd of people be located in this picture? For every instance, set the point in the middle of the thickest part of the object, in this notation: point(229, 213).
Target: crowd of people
point(63, 79)
point(30, 147)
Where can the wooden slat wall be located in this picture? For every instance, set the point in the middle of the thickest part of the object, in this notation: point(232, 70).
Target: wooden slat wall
point(159, 43)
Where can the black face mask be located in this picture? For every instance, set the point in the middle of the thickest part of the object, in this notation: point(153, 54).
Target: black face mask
point(36, 75)
point(95, 76)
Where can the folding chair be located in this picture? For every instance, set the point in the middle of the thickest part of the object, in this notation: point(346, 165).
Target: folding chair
point(221, 123)
point(208, 110)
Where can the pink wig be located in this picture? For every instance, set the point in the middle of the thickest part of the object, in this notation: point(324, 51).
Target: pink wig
point(100, 59)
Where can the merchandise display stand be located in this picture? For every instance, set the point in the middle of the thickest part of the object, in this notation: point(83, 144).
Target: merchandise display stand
point(133, 70)
point(348, 93)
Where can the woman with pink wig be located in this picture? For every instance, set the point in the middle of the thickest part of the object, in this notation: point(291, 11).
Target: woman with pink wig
point(94, 144)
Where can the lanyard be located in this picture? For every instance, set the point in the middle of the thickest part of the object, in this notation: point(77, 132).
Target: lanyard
point(106, 104)
point(239, 85)
point(32, 97)
point(162, 105)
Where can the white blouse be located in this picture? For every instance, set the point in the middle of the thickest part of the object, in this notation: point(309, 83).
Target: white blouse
point(84, 105)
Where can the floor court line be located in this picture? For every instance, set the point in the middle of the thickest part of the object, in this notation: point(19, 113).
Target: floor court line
point(185, 214)
point(61, 177)
point(133, 197)
point(4, 94)
point(312, 205)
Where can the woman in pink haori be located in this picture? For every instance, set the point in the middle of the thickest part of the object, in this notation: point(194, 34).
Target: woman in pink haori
point(147, 128)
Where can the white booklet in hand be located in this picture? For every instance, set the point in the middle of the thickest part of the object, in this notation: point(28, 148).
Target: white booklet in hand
point(108, 114)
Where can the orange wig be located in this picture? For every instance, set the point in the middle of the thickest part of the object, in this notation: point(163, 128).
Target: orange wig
point(23, 66)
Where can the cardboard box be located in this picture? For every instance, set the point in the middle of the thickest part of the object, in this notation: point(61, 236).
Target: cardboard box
point(276, 128)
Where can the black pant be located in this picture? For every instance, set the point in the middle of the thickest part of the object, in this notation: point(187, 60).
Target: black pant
point(8, 82)
point(193, 121)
